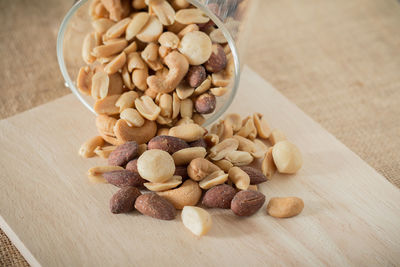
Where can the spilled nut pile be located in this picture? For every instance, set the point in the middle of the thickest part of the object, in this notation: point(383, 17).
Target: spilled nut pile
point(188, 166)
point(154, 69)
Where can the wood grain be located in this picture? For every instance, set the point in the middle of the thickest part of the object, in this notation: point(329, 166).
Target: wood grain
point(351, 214)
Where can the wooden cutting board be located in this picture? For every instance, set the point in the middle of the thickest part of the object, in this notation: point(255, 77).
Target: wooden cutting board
point(56, 217)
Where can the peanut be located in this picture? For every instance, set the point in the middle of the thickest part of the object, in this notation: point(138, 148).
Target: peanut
point(200, 168)
point(285, 207)
point(239, 177)
point(186, 155)
point(287, 157)
point(87, 149)
point(215, 178)
point(157, 187)
point(196, 219)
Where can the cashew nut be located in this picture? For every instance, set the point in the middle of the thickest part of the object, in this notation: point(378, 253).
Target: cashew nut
point(141, 135)
point(178, 67)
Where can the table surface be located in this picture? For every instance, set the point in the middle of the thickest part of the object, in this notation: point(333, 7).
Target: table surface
point(56, 217)
point(337, 60)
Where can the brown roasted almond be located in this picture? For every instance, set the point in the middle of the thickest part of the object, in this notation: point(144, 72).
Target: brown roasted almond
point(188, 194)
point(268, 167)
point(217, 60)
point(122, 178)
point(158, 187)
point(262, 126)
point(95, 174)
point(219, 196)
point(125, 133)
point(87, 148)
point(205, 103)
point(107, 105)
point(132, 166)
point(169, 144)
point(222, 149)
point(256, 176)
point(155, 206)
point(285, 207)
point(123, 154)
point(124, 200)
point(84, 80)
point(196, 75)
point(109, 49)
point(188, 132)
point(198, 143)
point(186, 155)
point(215, 178)
point(246, 203)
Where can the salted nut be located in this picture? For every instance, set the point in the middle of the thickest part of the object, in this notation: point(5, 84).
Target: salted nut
point(178, 67)
point(125, 133)
point(188, 194)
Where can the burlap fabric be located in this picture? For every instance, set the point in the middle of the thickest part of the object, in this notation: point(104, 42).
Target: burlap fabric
point(337, 60)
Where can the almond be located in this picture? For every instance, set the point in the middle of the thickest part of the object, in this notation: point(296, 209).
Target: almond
point(123, 178)
point(169, 144)
point(124, 200)
point(123, 154)
point(155, 206)
point(219, 196)
point(246, 203)
point(256, 176)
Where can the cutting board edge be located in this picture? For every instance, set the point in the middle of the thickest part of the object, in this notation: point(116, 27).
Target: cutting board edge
point(25, 252)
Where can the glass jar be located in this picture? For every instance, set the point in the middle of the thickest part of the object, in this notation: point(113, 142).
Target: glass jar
point(230, 16)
